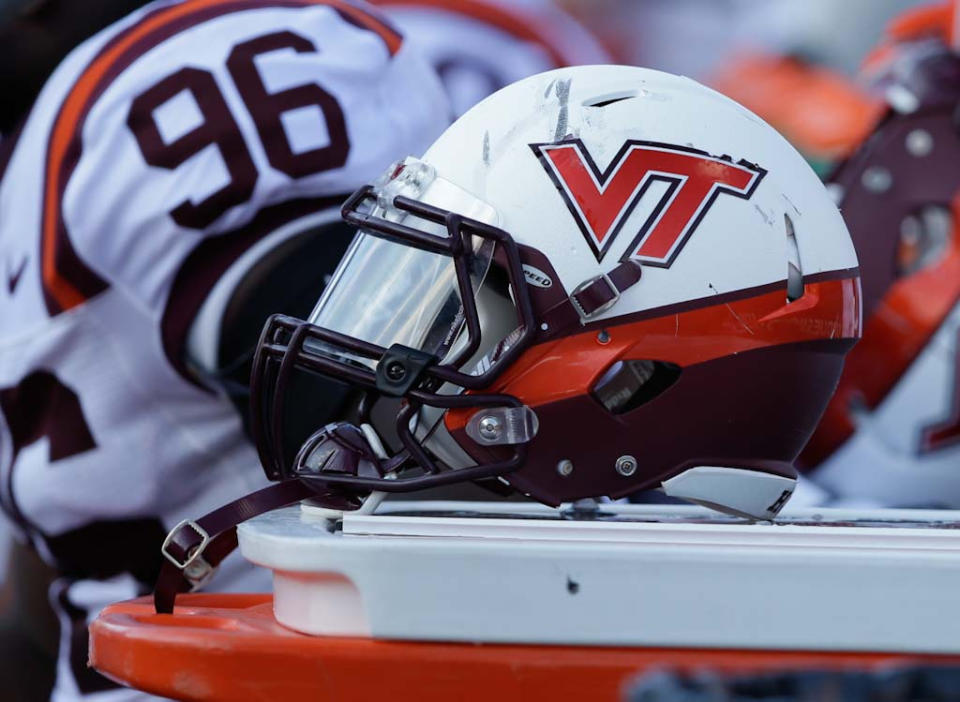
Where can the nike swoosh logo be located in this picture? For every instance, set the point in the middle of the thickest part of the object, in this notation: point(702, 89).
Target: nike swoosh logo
point(13, 279)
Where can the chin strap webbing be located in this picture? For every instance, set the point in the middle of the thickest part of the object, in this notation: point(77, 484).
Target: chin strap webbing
point(194, 548)
point(593, 297)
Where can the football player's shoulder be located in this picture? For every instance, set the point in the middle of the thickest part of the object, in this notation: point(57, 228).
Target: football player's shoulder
point(539, 23)
point(480, 46)
point(193, 117)
point(23, 176)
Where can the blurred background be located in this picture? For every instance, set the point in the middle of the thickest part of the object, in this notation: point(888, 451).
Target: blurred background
point(698, 37)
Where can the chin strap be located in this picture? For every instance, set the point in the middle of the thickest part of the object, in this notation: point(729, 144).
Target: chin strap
point(593, 297)
point(194, 548)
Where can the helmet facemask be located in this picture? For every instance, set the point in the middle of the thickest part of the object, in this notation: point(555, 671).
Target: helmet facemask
point(429, 302)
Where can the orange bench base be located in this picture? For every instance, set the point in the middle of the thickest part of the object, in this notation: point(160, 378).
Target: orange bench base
point(229, 647)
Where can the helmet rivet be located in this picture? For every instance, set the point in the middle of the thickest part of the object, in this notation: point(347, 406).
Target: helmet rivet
point(919, 143)
point(489, 428)
point(626, 466)
point(877, 179)
point(603, 337)
point(565, 467)
point(396, 371)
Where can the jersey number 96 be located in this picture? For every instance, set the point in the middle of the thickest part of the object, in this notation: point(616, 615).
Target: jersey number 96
point(219, 127)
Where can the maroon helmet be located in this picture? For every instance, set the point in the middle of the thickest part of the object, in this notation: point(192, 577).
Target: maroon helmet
point(891, 434)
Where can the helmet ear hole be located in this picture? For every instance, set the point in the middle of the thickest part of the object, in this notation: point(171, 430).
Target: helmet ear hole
point(629, 384)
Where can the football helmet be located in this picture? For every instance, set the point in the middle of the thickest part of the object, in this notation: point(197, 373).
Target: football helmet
point(599, 280)
point(891, 435)
point(939, 21)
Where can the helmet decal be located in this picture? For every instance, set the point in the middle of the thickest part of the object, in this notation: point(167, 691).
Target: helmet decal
point(601, 202)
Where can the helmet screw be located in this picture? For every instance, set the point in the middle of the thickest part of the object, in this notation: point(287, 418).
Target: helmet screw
point(626, 466)
point(877, 179)
point(603, 337)
point(489, 428)
point(396, 371)
point(919, 143)
point(565, 467)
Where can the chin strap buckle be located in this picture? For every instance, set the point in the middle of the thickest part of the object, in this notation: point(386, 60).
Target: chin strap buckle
point(595, 296)
point(193, 549)
point(194, 567)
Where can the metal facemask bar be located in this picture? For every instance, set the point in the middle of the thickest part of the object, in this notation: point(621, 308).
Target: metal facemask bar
point(288, 345)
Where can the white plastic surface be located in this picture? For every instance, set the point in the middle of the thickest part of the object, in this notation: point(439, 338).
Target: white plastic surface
point(746, 493)
point(646, 575)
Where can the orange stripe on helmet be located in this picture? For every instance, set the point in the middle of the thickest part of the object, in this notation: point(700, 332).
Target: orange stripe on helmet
point(73, 111)
point(570, 366)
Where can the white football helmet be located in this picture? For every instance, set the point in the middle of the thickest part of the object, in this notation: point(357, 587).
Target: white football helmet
point(599, 280)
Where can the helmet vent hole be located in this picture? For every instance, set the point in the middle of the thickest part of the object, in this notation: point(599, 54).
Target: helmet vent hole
point(610, 99)
point(794, 267)
point(629, 384)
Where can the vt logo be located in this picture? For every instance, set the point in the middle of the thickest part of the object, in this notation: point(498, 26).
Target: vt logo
point(601, 202)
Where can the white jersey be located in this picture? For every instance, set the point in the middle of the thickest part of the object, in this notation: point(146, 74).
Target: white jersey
point(189, 128)
point(480, 46)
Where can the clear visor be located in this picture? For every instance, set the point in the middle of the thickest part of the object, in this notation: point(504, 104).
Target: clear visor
point(388, 293)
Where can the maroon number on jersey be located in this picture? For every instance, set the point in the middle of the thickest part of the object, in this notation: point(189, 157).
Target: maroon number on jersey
point(219, 127)
point(40, 406)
